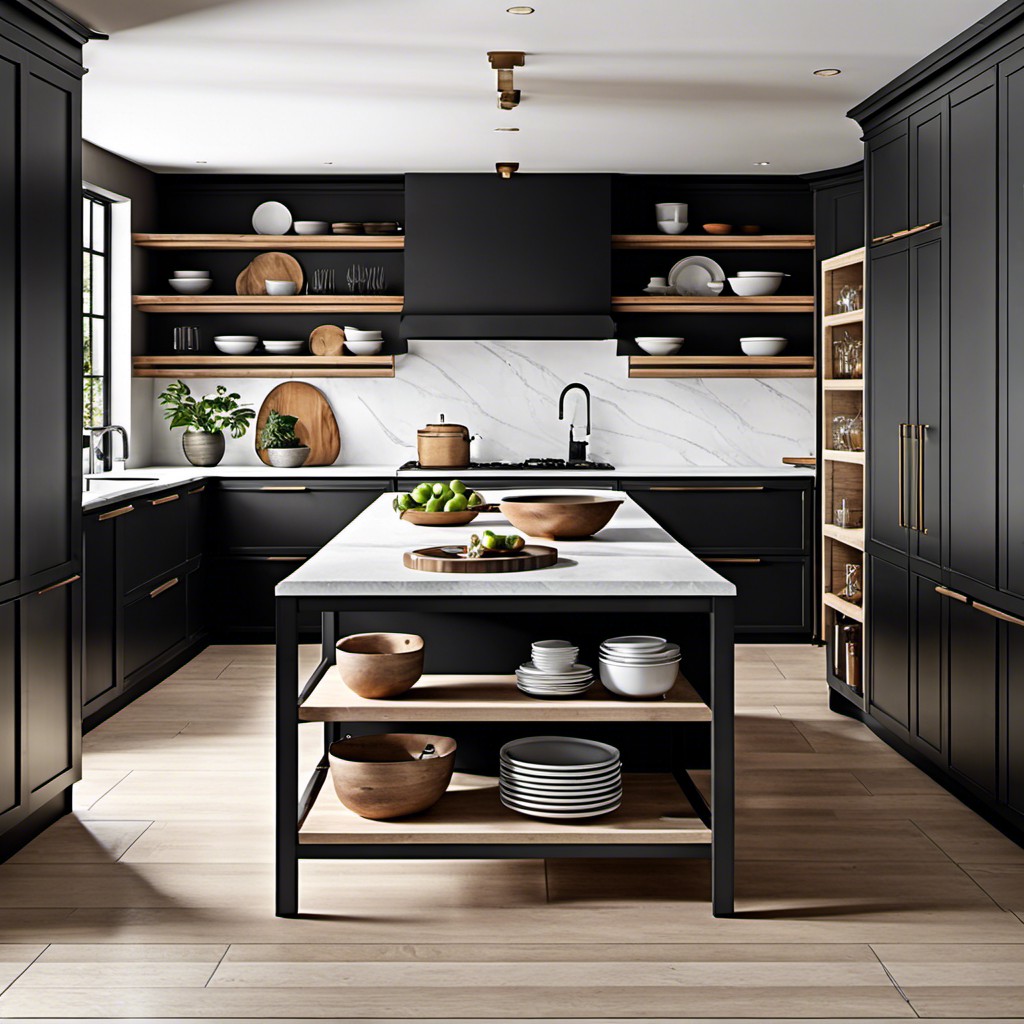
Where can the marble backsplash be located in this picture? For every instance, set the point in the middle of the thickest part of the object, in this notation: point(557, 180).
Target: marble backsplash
point(507, 393)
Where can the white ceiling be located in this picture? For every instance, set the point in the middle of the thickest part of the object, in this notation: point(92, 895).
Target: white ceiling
point(403, 85)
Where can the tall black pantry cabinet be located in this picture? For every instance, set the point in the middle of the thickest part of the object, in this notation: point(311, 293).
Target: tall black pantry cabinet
point(944, 167)
point(40, 415)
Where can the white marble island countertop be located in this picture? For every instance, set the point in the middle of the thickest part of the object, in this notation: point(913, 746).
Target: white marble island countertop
point(631, 557)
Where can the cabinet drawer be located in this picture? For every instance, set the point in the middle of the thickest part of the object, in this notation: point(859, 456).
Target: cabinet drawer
point(154, 623)
point(772, 595)
point(290, 516)
point(729, 516)
point(241, 590)
point(153, 539)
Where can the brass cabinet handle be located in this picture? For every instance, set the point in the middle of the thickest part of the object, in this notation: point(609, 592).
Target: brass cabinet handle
point(708, 490)
point(164, 586)
point(198, 490)
point(57, 586)
point(285, 558)
point(284, 488)
point(905, 232)
point(996, 614)
point(921, 429)
point(901, 462)
point(115, 512)
point(946, 592)
point(733, 561)
point(165, 499)
point(883, 238)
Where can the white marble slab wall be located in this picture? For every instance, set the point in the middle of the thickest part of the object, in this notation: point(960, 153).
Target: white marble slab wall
point(507, 392)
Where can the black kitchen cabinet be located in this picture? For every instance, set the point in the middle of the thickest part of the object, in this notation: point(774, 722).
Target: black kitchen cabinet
point(241, 589)
point(101, 655)
point(927, 170)
point(772, 594)
point(8, 320)
point(928, 690)
point(1013, 720)
point(889, 645)
point(195, 520)
point(155, 621)
point(887, 168)
point(972, 435)
point(153, 539)
point(10, 716)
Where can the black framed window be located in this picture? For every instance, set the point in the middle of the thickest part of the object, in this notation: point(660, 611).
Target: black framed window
point(95, 309)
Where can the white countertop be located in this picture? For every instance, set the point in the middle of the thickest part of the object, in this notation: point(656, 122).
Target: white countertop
point(618, 473)
point(631, 557)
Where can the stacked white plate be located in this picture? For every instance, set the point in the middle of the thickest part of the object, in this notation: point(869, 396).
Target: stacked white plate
point(559, 777)
point(554, 671)
point(639, 666)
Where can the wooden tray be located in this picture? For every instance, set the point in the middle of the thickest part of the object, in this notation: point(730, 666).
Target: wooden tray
point(533, 556)
point(317, 426)
point(275, 266)
point(327, 340)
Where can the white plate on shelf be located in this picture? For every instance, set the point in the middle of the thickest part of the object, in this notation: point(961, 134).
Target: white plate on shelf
point(271, 219)
point(558, 754)
point(565, 781)
point(692, 275)
point(559, 815)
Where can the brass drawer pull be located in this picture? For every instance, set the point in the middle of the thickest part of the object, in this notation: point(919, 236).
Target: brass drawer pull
point(165, 499)
point(284, 488)
point(733, 561)
point(946, 592)
point(286, 558)
point(164, 586)
point(709, 490)
point(198, 490)
point(114, 513)
point(57, 586)
point(996, 614)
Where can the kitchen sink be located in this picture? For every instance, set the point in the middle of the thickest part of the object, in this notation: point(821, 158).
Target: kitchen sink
point(103, 484)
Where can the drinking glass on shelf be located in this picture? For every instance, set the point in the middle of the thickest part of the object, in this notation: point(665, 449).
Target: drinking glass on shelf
point(855, 433)
point(186, 339)
point(846, 517)
point(841, 433)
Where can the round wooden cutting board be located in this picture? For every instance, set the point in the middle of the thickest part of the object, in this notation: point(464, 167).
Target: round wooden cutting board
point(272, 266)
point(317, 426)
point(532, 556)
point(327, 340)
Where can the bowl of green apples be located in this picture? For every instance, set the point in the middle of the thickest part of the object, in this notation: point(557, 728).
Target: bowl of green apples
point(435, 503)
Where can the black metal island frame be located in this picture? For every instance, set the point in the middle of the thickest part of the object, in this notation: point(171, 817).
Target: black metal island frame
point(677, 750)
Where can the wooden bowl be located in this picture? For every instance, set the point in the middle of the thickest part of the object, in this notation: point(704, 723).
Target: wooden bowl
point(559, 516)
point(750, 229)
point(380, 665)
point(718, 229)
point(419, 518)
point(382, 777)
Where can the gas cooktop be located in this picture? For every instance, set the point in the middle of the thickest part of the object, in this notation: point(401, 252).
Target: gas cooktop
point(542, 464)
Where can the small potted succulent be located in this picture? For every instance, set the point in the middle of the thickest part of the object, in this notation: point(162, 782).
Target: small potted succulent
point(278, 440)
point(205, 420)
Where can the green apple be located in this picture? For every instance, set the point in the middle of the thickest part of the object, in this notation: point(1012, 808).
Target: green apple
point(458, 486)
point(458, 503)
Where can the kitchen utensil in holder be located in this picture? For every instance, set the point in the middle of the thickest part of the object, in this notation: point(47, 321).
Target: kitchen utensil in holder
point(852, 589)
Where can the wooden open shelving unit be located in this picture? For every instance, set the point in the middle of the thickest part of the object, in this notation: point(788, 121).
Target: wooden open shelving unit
point(712, 304)
point(721, 366)
point(350, 243)
point(195, 366)
point(712, 241)
point(843, 472)
point(268, 303)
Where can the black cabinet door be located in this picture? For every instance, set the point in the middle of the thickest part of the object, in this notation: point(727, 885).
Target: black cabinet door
point(889, 643)
point(971, 434)
point(927, 164)
point(154, 622)
point(51, 327)
point(888, 177)
point(1013, 724)
point(241, 589)
point(973, 695)
point(11, 795)
point(195, 515)
point(9, 276)
point(888, 385)
point(153, 539)
point(771, 593)
point(1012, 465)
point(928, 689)
point(101, 678)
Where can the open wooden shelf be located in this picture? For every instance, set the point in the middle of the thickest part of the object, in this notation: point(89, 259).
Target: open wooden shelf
point(832, 455)
point(855, 316)
point(721, 366)
point(495, 698)
point(354, 243)
point(847, 608)
point(851, 538)
point(653, 810)
point(712, 241)
point(834, 384)
point(268, 303)
point(712, 304)
point(263, 366)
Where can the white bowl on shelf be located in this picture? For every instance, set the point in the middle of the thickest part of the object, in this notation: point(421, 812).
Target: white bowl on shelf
point(363, 348)
point(281, 287)
point(660, 346)
point(284, 348)
point(756, 285)
point(235, 345)
point(761, 273)
point(311, 227)
point(355, 334)
point(763, 346)
point(191, 274)
point(190, 285)
point(639, 680)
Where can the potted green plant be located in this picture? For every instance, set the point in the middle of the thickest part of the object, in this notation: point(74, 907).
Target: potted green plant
point(205, 420)
point(279, 441)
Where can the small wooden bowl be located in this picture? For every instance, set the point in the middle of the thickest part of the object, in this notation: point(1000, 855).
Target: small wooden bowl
point(382, 776)
point(379, 666)
point(418, 518)
point(750, 229)
point(559, 516)
point(718, 229)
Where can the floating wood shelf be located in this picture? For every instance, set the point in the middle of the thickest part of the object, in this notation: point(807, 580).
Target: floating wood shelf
point(712, 304)
point(833, 455)
point(855, 316)
point(799, 460)
point(494, 698)
point(268, 303)
point(712, 241)
point(832, 384)
point(654, 810)
point(851, 538)
point(847, 608)
point(721, 366)
point(263, 366)
point(352, 243)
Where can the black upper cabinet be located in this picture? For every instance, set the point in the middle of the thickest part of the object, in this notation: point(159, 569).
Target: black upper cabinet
point(927, 164)
point(971, 435)
point(888, 177)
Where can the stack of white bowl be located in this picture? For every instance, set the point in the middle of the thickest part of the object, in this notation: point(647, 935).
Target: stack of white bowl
point(560, 777)
point(191, 282)
point(553, 671)
point(639, 666)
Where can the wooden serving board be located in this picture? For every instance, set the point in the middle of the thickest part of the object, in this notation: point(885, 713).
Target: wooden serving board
point(273, 266)
point(317, 426)
point(532, 556)
point(327, 340)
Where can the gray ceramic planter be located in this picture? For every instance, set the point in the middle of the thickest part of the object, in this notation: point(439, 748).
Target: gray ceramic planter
point(287, 458)
point(202, 449)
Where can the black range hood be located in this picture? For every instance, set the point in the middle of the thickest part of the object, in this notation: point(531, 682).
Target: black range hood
point(494, 259)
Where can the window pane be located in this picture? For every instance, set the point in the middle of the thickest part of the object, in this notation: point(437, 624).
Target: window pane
point(98, 348)
point(86, 345)
point(86, 222)
point(87, 283)
point(99, 224)
point(98, 284)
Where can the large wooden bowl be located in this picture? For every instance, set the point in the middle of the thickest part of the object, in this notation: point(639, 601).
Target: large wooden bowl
point(380, 665)
point(382, 776)
point(559, 516)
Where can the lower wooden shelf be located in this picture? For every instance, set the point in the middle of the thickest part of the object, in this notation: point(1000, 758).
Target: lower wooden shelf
point(653, 810)
point(263, 366)
point(721, 366)
point(835, 455)
point(852, 538)
point(847, 608)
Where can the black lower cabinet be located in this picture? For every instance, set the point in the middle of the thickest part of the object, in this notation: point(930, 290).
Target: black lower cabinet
point(10, 714)
point(889, 644)
point(241, 594)
point(154, 623)
point(101, 656)
point(1013, 723)
point(928, 711)
point(772, 594)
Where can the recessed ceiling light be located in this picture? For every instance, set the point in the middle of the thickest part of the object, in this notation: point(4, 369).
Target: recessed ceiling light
point(762, 163)
point(506, 129)
point(328, 163)
point(200, 161)
point(519, 9)
point(828, 72)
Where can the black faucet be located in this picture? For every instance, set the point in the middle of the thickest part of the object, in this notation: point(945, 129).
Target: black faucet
point(577, 449)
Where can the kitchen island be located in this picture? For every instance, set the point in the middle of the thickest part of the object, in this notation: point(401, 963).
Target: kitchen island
point(677, 751)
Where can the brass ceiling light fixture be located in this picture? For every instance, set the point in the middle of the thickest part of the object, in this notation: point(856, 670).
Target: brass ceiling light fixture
point(503, 61)
point(506, 168)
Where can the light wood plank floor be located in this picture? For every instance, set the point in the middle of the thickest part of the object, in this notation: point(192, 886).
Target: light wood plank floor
point(865, 891)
